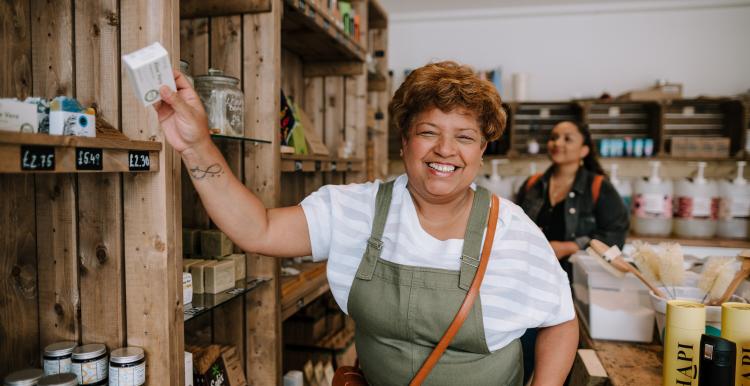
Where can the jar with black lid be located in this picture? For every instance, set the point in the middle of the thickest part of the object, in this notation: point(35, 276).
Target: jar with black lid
point(62, 379)
point(89, 364)
point(127, 367)
point(57, 357)
point(26, 377)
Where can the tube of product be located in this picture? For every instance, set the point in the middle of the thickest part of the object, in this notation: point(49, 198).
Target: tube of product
point(735, 326)
point(686, 322)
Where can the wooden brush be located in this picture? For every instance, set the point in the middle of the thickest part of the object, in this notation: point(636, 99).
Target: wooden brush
point(741, 275)
point(613, 256)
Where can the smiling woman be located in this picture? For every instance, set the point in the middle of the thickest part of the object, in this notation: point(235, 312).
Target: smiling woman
point(401, 254)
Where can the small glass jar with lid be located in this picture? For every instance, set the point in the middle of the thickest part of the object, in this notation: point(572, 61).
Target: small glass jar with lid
point(27, 377)
point(224, 102)
point(127, 367)
point(89, 364)
point(62, 379)
point(57, 357)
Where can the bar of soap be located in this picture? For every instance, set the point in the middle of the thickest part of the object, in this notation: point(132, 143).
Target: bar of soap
point(191, 242)
point(198, 271)
point(214, 243)
point(187, 288)
point(239, 265)
point(187, 263)
point(218, 276)
point(148, 69)
point(17, 116)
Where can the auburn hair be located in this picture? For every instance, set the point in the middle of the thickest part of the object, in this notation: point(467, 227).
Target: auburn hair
point(447, 85)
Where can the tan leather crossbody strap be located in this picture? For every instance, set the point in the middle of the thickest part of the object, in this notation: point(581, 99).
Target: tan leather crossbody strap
point(471, 296)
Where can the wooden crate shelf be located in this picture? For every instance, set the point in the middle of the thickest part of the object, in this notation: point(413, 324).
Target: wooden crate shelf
point(313, 34)
point(300, 290)
point(377, 18)
point(110, 152)
point(536, 119)
point(203, 303)
point(377, 81)
point(293, 163)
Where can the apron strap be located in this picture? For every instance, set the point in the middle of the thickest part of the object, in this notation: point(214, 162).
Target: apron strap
point(480, 209)
point(375, 243)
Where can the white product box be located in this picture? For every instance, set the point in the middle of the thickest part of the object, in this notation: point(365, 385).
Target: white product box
point(188, 368)
point(612, 308)
point(148, 69)
point(187, 288)
point(19, 117)
point(69, 123)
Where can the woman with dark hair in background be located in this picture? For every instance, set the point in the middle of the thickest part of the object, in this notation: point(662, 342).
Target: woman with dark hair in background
point(572, 202)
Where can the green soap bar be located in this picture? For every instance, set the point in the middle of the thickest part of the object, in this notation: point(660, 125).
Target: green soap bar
point(191, 242)
point(215, 243)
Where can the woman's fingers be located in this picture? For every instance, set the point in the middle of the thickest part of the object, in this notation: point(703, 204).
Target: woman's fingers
point(174, 100)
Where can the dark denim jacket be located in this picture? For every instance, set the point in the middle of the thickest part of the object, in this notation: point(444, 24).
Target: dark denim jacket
point(606, 221)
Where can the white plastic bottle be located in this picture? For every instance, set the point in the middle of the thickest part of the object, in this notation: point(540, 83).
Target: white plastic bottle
point(696, 206)
point(734, 206)
point(502, 187)
point(624, 187)
point(652, 204)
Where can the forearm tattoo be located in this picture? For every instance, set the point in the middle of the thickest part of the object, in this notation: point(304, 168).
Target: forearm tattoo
point(212, 171)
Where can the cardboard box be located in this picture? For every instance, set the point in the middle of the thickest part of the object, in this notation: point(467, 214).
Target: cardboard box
point(148, 69)
point(79, 124)
point(700, 147)
point(17, 116)
point(612, 308)
point(656, 93)
point(187, 288)
point(188, 368)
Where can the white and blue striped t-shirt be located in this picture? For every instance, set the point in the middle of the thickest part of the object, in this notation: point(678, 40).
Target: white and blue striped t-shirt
point(523, 287)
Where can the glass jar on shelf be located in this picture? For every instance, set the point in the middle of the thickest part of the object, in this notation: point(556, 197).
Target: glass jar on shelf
point(185, 70)
point(224, 102)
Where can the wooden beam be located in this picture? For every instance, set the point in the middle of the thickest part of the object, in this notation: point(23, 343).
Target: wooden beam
point(153, 242)
point(313, 69)
point(261, 79)
point(100, 221)
point(204, 8)
point(587, 370)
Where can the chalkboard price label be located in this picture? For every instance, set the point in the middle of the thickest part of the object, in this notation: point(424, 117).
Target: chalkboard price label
point(88, 158)
point(139, 161)
point(37, 158)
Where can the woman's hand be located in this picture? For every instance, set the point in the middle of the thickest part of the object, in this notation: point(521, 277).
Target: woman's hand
point(182, 116)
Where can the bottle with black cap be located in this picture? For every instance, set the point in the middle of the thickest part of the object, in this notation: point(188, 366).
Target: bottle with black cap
point(717, 361)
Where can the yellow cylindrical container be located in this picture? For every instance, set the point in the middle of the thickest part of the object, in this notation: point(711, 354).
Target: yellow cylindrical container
point(735, 326)
point(686, 321)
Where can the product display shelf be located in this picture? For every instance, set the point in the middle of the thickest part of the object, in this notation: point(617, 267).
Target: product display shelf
point(377, 18)
point(110, 151)
point(300, 290)
point(694, 242)
point(221, 137)
point(534, 120)
point(291, 163)
point(312, 33)
point(203, 303)
point(377, 81)
point(708, 118)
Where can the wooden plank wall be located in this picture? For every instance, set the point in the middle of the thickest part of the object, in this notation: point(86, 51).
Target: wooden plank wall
point(378, 101)
point(152, 242)
point(261, 45)
point(19, 302)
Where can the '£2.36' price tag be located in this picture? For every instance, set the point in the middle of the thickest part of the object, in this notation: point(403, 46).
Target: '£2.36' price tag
point(139, 160)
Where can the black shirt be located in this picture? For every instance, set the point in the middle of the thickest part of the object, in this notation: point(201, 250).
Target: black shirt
point(552, 220)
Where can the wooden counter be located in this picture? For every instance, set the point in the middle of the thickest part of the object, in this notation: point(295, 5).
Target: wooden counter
point(714, 242)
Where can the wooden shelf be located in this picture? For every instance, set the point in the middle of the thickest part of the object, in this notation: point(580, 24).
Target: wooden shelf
point(203, 303)
point(314, 35)
point(111, 151)
point(376, 16)
point(291, 163)
point(239, 139)
point(300, 290)
point(376, 81)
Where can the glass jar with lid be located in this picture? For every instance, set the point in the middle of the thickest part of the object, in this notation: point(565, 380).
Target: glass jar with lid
point(224, 102)
point(185, 70)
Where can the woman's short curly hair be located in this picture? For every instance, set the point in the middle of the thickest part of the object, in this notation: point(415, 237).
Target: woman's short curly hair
point(446, 86)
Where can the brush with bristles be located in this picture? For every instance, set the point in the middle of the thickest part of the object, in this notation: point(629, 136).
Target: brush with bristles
point(671, 268)
point(647, 260)
point(716, 276)
point(741, 275)
point(612, 257)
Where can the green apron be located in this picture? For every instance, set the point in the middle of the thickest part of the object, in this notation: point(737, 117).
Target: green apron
point(402, 311)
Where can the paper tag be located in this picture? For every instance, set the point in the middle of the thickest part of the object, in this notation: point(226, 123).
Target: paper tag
point(688, 111)
point(614, 111)
point(544, 112)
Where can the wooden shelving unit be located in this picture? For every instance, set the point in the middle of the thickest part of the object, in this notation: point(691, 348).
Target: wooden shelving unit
point(378, 93)
point(291, 163)
point(300, 290)
point(110, 152)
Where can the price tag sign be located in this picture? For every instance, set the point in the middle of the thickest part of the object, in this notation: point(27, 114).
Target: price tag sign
point(139, 161)
point(37, 158)
point(333, 166)
point(297, 166)
point(88, 158)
